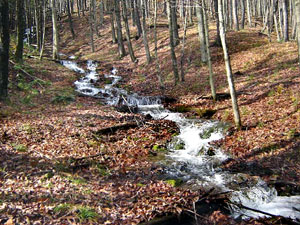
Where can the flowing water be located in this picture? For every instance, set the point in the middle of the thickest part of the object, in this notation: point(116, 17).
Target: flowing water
point(191, 157)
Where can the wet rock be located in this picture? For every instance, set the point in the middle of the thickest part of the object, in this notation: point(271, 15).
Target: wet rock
point(127, 109)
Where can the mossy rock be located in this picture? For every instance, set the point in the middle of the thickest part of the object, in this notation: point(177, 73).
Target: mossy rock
point(204, 113)
point(181, 109)
point(159, 148)
point(174, 182)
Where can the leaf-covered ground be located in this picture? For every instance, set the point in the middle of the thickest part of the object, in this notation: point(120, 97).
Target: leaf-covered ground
point(56, 169)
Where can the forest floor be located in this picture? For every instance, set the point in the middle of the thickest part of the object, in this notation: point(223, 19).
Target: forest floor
point(56, 167)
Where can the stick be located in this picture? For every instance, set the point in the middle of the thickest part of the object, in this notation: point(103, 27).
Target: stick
point(28, 74)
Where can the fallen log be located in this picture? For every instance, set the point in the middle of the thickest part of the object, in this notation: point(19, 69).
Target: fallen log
point(113, 129)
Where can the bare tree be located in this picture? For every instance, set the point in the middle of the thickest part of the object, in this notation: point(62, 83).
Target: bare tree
point(20, 31)
point(230, 80)
point(4, 47)
point(55, 49)
point(297, 13)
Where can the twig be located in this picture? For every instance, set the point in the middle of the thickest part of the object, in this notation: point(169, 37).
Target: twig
point(194, 207)
point(196, 214)
point(28, 74)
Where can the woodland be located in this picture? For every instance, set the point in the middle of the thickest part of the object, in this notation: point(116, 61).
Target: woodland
point(150, 112)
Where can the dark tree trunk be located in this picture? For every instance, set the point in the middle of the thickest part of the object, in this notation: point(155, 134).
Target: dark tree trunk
point(21, 31)
point(70, 19)
point(4, 48)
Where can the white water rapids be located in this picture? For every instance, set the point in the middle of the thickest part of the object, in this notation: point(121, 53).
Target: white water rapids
point(191, 157)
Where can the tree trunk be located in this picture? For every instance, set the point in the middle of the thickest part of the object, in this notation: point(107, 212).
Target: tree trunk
point(158, 70)
point(235, 107)
point(122, 52)
point(249, 13)
point(91, 21)
point(218, 39)
point(235, 15)
point(4, 48)
point(70, 19)
point(144, 31)
point(112, 23)
point(243, 14)
point(44, 29)
point(20, 31)
point(125, 19)
point(55, 49)
point(182, 49)
point(201, 32)
point(174, 22)
point(297, 13)
point(285, 21)
point(37, 23)
point(211, 75)
point(172, 47)
point(137, 19)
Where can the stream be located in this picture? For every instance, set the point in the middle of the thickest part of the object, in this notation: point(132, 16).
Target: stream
point(191, 158)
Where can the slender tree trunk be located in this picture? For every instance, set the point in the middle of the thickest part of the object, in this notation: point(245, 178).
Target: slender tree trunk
point(37, 23)
point(249, 13)
point(211, 75)
point(122, 52)
point(137, 19)
point(112, 23)
point(297, 13)
point(158, 70)
point(235, 107)
point(218, 39)
point(55, 50)
point(182, 49)
point(172, 47)
point(4, 48)
point(125, 19)
point(78, 8)
point(91, 21)
point(21, 31)
point(70, 19)
point(174, 22)
point(44, 29)
point(285, 21)
point(201, 32)
point(101, 19)
point(235, 15)
point(144, 31)
point(243, 14)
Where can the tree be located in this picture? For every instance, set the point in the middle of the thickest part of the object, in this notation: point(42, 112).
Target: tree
point(235, 15)
point(158, 70)
point(206, 30)
point(20, 31)
point(55, 45)
point(230, 80)
point(144, 31)
point(172, 46)
point(125, 19)
point(122, 52)
point(285, 20)
point(297, 13)
point(201, 33)
point(4, 47)
point(70, 19)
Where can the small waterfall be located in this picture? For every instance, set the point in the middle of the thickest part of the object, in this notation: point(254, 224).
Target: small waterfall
point(191, 156)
